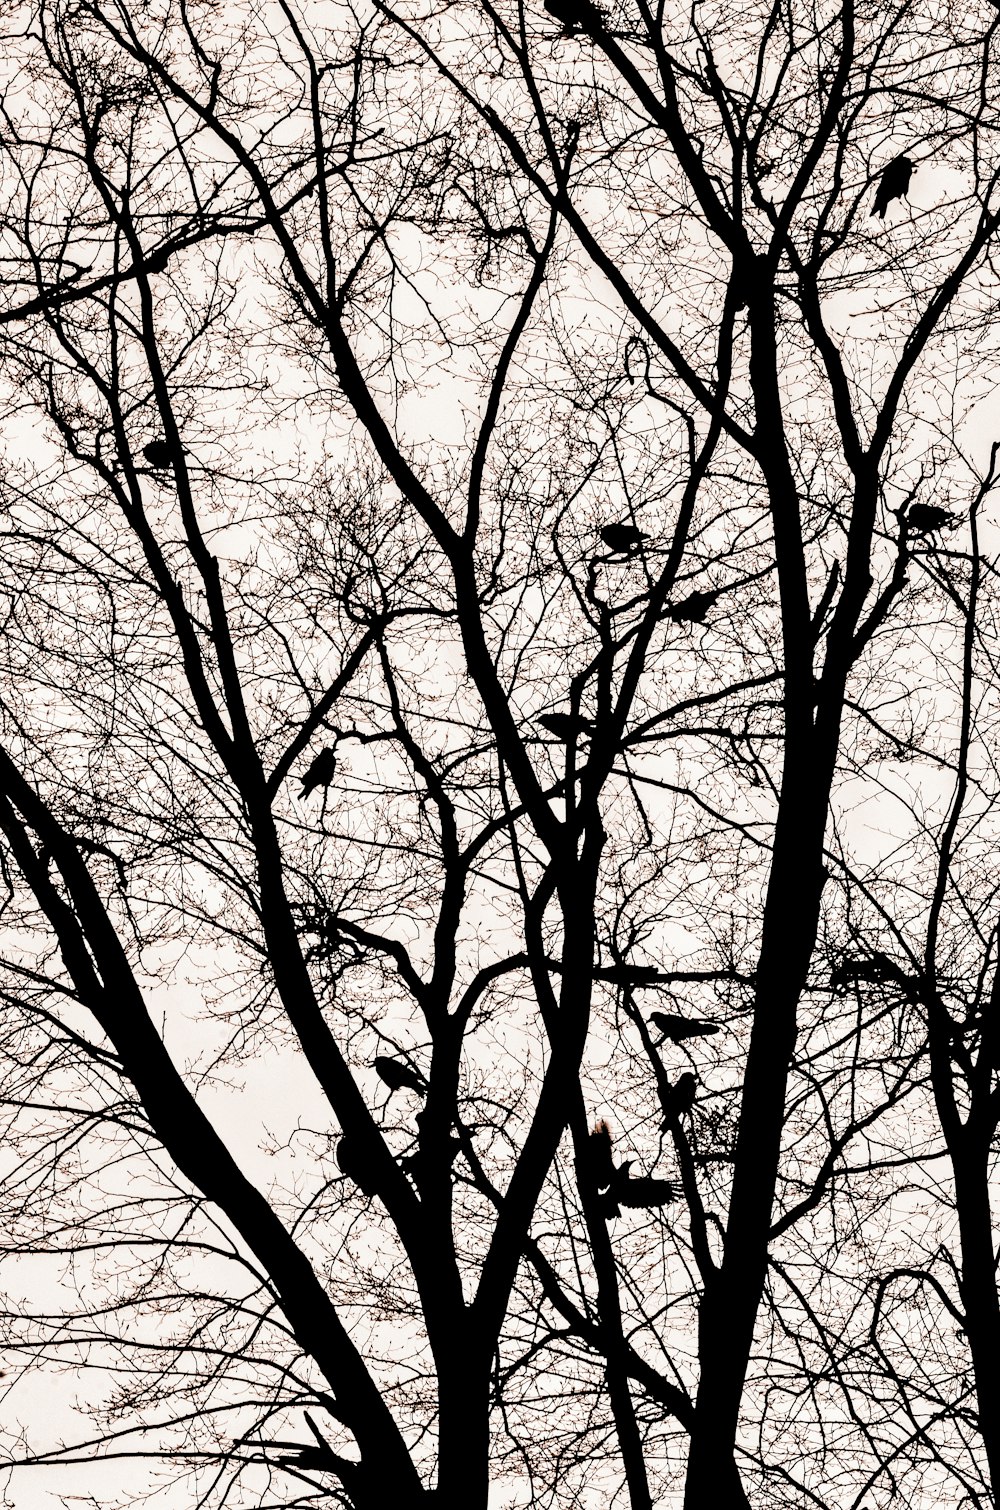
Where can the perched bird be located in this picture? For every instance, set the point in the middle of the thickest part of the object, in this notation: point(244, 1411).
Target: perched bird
point(161, 455)
point(692, 609)
point(925, 518)
point(681, 1098)
point(600, 1164)
point(623, 537)
point(893, 184)
point(678, 1028)
point(576, 15)
point(566, 726)
point(629, 975)
point(398, 1075)
point(321, 772)
point(356, 1167)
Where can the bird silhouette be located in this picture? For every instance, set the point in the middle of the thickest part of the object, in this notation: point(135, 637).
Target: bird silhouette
point(925, 518)
point(576, 15)
point(398, 1075)
point(638, 1193)
point(321, 771)
point(607, 1205)
point(308, 1456)
point(357, 1167)
point(566, 726)
point(893, 184)
point(623, 537)
point(642, 1192)
point(161, 455)
point(680, 1099)
point(600, 1164)
point(678, 1028)
point(630, 975)
point(693, 608)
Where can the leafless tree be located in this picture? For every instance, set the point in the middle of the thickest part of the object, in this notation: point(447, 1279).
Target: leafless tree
point(497, 781)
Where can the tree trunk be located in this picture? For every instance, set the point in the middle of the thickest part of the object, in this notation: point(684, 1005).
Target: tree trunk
point(731, 1299)
point(980, 1300)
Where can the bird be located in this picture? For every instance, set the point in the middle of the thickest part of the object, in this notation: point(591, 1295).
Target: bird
point(161, 455)
point(576, 15)
point(630, 975)
point(607, 1205)
point(309, 1456)
point(925, 518)
point(642, 1192)
point(693, 608)
point(638, 1193)
point(893, 184)
point(680, 1099)
point(398, 1075)
point(566, 726)
point(601, 1166)
point(357, 1168)
point(678, 1028)
point(321, 771)
point(623, 537)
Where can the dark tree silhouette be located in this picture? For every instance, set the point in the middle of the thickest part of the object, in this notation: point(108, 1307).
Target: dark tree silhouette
point(430, 293)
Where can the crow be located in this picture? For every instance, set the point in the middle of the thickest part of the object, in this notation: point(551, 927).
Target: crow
point(321, 772)
point(308, 1457)
point(161, 455)
point(925, 518)
point(356, 1167)
point(566, 726)
point(576, 15)
point(643, 1192)
point(601, 1166)
point(893, 184)
point(680, 1100)
point(399, 1075)
point(692, 609)
point(678, 1028)
point(630, 975)
point(623, 537)
point(607, 1205)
